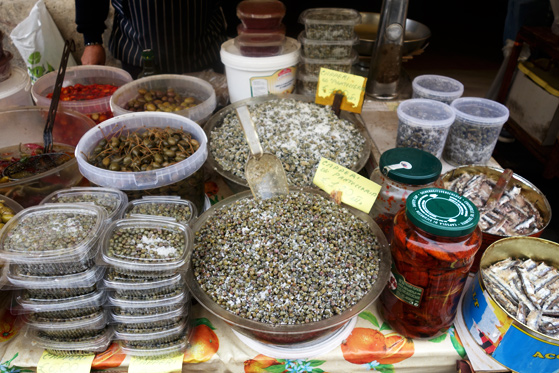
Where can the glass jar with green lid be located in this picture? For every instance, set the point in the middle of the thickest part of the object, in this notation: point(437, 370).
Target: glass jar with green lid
point(435, 241)
point(402, 171)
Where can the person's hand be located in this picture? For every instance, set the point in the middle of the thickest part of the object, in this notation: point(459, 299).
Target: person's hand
point(93, 55)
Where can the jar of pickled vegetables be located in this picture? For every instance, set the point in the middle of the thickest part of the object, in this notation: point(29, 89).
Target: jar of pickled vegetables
point(402, 171)
point(435, 241)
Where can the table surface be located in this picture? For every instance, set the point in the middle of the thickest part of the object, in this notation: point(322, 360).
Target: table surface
point(215, 348)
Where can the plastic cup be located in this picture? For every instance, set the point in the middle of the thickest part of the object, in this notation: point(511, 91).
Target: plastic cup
point(424, 124)
point(437, 87)
point(474, 133)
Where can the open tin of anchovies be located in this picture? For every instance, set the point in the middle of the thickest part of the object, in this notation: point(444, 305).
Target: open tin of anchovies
point(528, 190)
point(500, 334)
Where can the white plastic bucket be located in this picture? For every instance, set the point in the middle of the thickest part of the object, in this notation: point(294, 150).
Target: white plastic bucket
point(259, 76)
point(16, 90)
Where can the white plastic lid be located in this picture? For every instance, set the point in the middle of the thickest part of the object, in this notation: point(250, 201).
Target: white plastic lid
point(231, 56)
point(145, 179)
point(18, 81)
point(438, 86)
point(425, 112)
point(480, 111)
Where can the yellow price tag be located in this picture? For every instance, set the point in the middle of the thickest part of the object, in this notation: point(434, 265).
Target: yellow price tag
point(352, 87)
point(156, 364)
point(357, 191)
point(49, 363)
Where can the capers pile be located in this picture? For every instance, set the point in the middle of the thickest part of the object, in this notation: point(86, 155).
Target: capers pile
point(146, 244)
point(152, 294)
point(145, 311)
point(149, 150)
point(120, 275)
point(108, 201)
point(149, 327)
point(57, 293)
point(159, 344)
point(66, 316)
point(160, 100)
point(71, 335)
point(6, 212)
point(182, 213)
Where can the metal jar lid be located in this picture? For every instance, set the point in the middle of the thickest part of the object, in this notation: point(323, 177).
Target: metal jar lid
point(410, 166)
point(442, 212)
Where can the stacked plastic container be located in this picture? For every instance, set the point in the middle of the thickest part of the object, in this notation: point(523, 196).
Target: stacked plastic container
point(261, 33)
point(51, 250)
point(147, 297)
point(328, 41)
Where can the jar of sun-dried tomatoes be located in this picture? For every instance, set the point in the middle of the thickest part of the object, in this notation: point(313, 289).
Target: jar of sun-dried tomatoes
point(435, 240)
point(402, 171)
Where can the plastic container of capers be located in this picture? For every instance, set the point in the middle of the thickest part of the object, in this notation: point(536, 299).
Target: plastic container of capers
point(330, 23)
point(327, 49)
point(156, 347)
point(131, 284)
point(150, 294)
point(112, 200)
point(135, 300)
point(65, 315)
point(149, 315)
point(171, 331)
point(148, 327)
point(88, 278)
point(95, 321)
point(148, 245)
point(96, 341)
point(52, 234)
point(182, 210)
point(67, 306)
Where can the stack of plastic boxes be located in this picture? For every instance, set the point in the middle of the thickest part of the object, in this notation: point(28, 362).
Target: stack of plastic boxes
point(148, 300)
point(328, 41)
point(261, 33)
point(51, 251)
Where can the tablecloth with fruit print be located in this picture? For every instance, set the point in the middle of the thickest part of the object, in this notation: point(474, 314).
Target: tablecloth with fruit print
point(372, 346)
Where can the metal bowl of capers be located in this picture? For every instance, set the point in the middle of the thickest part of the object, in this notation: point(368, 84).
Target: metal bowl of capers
point(294, 269)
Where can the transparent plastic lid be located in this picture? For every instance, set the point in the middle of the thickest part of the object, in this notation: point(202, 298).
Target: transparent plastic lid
point(97, 320)
point(172, 332)
point(438, 86)
point(97, 342)
point(146, 244)
point(94, 299)
point(155, 347)
point(182, 210)
point(176, 297)
point(112, 200)
point(117, 280)
point(54, 232)
point(76, 280)
point(330, 16)
point(169, 311)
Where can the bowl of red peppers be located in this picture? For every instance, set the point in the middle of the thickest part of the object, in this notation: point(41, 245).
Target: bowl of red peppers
point(86, 89)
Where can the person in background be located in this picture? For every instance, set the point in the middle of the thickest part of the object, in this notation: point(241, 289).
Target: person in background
point(185, 35)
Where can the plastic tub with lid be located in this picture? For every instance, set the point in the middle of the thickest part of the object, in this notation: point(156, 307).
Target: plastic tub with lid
point(174, 207)
point(260, 76)
point(97, 109)
point(474, 133)
point(264, 14)
point(327, 49)
point(186, 86)
point(330, 23)
point(423, 124)
point(16, 89)
point(312, 65)
point(437, 87)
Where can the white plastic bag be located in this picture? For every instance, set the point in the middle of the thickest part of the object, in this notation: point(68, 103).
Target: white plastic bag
point(39, 42)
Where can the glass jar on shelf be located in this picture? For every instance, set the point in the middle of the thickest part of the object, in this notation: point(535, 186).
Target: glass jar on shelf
point(402, 171)
point(435, 241)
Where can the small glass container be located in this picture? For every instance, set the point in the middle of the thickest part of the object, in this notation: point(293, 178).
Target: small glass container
point(474, 133)
point(435, 241)
point(402, 171)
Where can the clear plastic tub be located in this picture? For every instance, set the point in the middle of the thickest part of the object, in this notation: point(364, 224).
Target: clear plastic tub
point(65, 315)
point(260, 43)
point(94, 321)
point(312, 65)
point(76, 264)
point(473, 136)
point(149, 315)
point(170, 331)
point(52, 233)
point(142, 292)
point(95, 299)
point(307, 84)
point(143, 328)
point(184, 85)
point(423, 124)
point(84, 279)
point(330, 23)
point(98, 341)
point(62, 293)
point(156, 347)
point(174, 296)
point(437, 87)
point(120, 281)
point(185, 178)
point(181, 210)
point(149, 236)
point(112, 200)
point(266, 14)
point(327, 49)
point(84, 75)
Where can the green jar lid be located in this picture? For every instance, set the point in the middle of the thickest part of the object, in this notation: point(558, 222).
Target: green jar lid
point(410, 166)
point(442, 212)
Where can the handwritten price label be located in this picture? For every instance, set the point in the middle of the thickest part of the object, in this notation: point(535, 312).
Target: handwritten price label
point(50, 363)
point(156, 364)
point(357, 191)
point(351, 86)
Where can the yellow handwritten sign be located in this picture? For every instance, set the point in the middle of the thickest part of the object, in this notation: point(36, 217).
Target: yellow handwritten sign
point(357, 191)
point(50, 363)
point(156, 364)
point(352, 87)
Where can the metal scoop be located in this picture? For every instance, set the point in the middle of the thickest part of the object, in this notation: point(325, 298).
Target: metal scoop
point(49, 159)
point(264, 172)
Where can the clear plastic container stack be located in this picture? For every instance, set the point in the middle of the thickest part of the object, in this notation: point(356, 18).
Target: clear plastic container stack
point(261, 33)
point(147, 297)
point(182, 210)
point(328, 41)
point(50, 251)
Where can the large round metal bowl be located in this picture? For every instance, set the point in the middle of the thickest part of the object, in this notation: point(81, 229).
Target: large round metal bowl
point(415, 37)
point(301, 334)
point(240, 184)
point(528, 190)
